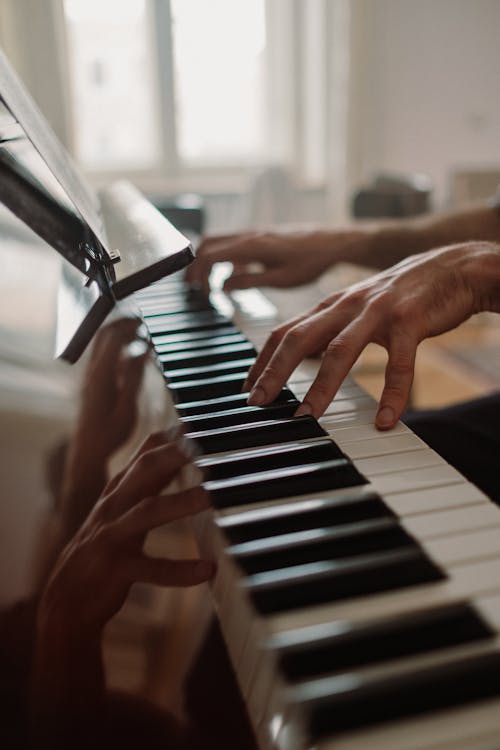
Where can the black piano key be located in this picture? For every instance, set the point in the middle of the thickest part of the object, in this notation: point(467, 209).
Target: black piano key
point(279, 483)
point(256, 435)
point(200, 372)
point(207, 355)
point(224, 403)
point(291, 517)
point(350, 702)
point(320, 544)
point(165, 306)
point(198, 390)
point(332, 647)
point(269, 458)
point(329, 581)
point(179, 342)
point(186, 323)
point(244, 415)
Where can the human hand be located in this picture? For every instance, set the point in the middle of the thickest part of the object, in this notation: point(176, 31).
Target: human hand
point(92, 576)
point(422, 296)
point(273, 259)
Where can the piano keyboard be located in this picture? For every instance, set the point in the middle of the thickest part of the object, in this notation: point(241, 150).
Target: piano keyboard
point(358, 580)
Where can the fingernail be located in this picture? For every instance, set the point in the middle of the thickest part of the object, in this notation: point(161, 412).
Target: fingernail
point(304, 409)
point(385, 417)
point(257, 396)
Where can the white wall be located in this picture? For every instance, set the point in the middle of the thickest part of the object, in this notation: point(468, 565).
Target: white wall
point(426, 87)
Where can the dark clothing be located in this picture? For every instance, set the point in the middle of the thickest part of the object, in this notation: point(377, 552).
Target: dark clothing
point(466, 435)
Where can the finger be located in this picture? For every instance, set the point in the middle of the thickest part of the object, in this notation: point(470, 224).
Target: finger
point(276, 277)
point(297, 343)
point(148, 475)
point(171, 572)
point(339, 357)
point(152, 441)
point(240, 249)
point(399, 375)
point(158, 510)
point(267, 351)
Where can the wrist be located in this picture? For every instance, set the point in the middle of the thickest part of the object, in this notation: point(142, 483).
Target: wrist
point(482, 273)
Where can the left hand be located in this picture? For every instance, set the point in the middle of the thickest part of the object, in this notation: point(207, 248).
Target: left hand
point(422, 296)
point(92, 577)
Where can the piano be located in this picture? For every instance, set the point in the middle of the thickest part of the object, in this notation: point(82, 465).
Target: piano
point(358, 578)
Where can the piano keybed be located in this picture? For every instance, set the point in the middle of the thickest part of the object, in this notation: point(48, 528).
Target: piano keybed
point(358, 579)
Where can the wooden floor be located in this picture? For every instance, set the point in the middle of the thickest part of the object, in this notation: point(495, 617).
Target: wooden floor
point(442, 375)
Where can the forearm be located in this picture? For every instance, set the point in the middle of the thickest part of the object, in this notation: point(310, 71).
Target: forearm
point(388, 245)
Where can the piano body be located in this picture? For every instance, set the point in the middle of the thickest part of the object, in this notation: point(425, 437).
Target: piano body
point(358, 580)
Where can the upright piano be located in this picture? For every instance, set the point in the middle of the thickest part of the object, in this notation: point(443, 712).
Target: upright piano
point(358, 574)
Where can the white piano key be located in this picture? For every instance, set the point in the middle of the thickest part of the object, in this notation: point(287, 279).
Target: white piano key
point(344, 435)
point(403, 481)
point(465, 547)
point(415, 501)
point(398, 462)
point(450, 522)
point(382, 446)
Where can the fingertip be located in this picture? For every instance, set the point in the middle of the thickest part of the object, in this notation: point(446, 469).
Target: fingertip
point(386, 418)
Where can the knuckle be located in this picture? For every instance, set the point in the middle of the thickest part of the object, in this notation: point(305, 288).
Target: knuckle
point(339, 348)
point(275, 336)
point(296, 337)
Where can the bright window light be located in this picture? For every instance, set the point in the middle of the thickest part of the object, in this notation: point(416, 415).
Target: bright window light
point(219, 65)
point(115, 117)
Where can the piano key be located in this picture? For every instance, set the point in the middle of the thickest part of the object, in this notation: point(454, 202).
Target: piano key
point(204, 388)
point(328, 581)
point(207, 355)
point(223, 403)
point(464, 579)
point(319, 544)
point(258, 434)
point(439, 475)
point(349, 701)
point(452, 495)
point(243, 415)
point(280, 483)
point(374, 466)
point(333, 647)
point(180, 342)
point(345, 508)
point(201, 371)
point(263, 459)
point(387, 445)
point(449, 522)
point(186, 323)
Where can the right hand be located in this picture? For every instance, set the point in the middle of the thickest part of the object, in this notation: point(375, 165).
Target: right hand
point(282, 260)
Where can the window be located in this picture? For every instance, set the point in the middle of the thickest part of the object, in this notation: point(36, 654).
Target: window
point(187, 94)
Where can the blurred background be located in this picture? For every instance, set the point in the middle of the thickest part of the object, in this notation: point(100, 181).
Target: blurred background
point(268, 110)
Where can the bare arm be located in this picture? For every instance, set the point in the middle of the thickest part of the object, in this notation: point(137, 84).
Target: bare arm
point(287, 259)
point(391, 243)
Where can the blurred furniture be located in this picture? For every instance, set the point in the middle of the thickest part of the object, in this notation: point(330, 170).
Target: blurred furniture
point(392, 196)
